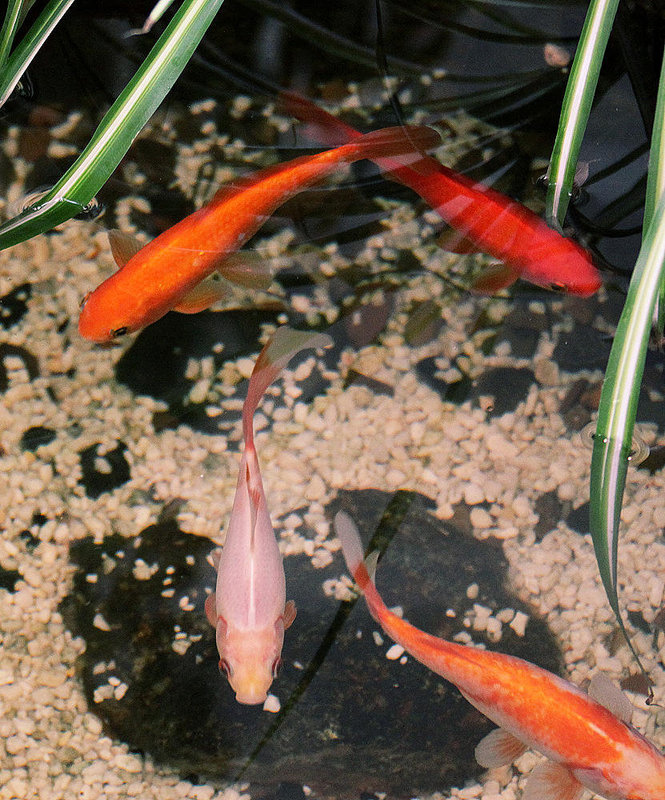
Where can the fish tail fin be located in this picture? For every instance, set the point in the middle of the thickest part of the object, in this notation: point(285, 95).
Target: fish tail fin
point(319, 124)
point(362, 571)
point(408, 142)
point(278, 351)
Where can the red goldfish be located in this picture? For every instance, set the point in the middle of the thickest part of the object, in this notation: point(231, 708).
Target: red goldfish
point(168, 272)
point(483, 219)
point(586, 744)
point(248, 609)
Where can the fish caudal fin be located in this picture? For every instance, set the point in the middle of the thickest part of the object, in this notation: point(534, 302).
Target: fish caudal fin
point(408, 142)
point(319, 124)
point(550, 781)
point(327, 129)
point(498, 748)
point(279, 350)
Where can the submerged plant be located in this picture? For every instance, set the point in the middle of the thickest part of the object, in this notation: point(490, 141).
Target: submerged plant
point(117, 130)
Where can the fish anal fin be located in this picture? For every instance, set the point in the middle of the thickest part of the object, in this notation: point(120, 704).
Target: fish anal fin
point(550, 781)
point(604, 691)
point(498, 748)
point(210, 609)
point(123, 247)
point(289, 614)
point(494, 278)
point(210, 290)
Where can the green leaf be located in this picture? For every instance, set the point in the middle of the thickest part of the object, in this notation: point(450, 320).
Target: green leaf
point(576, 107)
point(117, 130)
point(618, 404)
point(22, 55)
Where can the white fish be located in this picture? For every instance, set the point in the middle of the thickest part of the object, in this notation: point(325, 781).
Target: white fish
point(249, 610)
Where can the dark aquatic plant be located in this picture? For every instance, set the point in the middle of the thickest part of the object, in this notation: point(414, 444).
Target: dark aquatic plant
point(117, 130)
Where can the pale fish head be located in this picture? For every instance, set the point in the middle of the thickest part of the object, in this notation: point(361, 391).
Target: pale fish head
point(250, 658)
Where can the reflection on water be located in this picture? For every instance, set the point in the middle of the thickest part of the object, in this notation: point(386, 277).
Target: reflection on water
point(450, 425)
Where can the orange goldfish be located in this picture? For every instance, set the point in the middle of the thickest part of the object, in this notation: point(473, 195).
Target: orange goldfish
point(484, 220)
point(248, 609)
point(168, 272)
point(586, 744)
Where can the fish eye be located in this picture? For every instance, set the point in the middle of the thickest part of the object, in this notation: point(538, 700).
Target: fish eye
point(557, 287)
point(119, 332)
point(224, 667)
point(276, 666)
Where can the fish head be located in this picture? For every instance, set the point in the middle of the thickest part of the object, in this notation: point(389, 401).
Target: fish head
point(250, 658)
point(571, 270)
point(105, 316)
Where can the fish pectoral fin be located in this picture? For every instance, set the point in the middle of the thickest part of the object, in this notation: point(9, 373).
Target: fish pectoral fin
point(123, 247)
point(498, 748)
point(215, 556)
point(289, 614)
point(209, 291)
point(550, 781)
point(211, 610)
point(247, 268)
point(453, 241)
point(604, 691)
point(494, 278)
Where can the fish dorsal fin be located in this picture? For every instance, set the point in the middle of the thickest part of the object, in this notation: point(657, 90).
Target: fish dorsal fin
point(550, 781)
point(604, 691)
point(494, 278)
point(498, 748)
point(123, 247)
point(279, 350)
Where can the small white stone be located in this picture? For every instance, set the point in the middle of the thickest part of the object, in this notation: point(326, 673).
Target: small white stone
point(473, 494)
point(519, 622)
point(394, 652)
point(272, 704)
point(100, 623)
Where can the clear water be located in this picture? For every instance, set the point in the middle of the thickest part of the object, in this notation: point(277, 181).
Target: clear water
point(449, 425)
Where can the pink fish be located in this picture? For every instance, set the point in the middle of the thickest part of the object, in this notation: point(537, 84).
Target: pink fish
point(249, 610)
point(587, 744)
point(483, 220)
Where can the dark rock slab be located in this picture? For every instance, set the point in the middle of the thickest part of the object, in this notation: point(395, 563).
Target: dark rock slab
point(584, 347)
point(351, 720)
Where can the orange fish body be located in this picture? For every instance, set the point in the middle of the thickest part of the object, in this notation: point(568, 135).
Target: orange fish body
point(159, 276)
point(485, 220)
point(588, 746)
